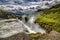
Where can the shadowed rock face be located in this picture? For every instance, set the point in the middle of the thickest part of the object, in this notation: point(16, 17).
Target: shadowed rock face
point(19, 36)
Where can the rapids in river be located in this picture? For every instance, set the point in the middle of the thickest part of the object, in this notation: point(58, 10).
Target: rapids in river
point(9, 27)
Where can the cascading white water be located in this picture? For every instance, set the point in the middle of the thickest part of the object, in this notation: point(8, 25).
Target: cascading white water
point(14, 26)
point(10, 28)
point(35, 27)
point(28, 28)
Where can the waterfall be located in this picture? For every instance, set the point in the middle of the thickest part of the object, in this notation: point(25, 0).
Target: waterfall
point(11, 27)
point(31, 26)
point(28, 28)
point(34, 26)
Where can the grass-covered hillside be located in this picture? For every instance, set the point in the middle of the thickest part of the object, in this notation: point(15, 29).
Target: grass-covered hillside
point(49, 19)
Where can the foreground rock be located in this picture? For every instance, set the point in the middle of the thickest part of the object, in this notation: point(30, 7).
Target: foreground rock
point(53, 35)
point(19, 36)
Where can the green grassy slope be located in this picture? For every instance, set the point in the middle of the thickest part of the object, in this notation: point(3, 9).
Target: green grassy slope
point(50, 18)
